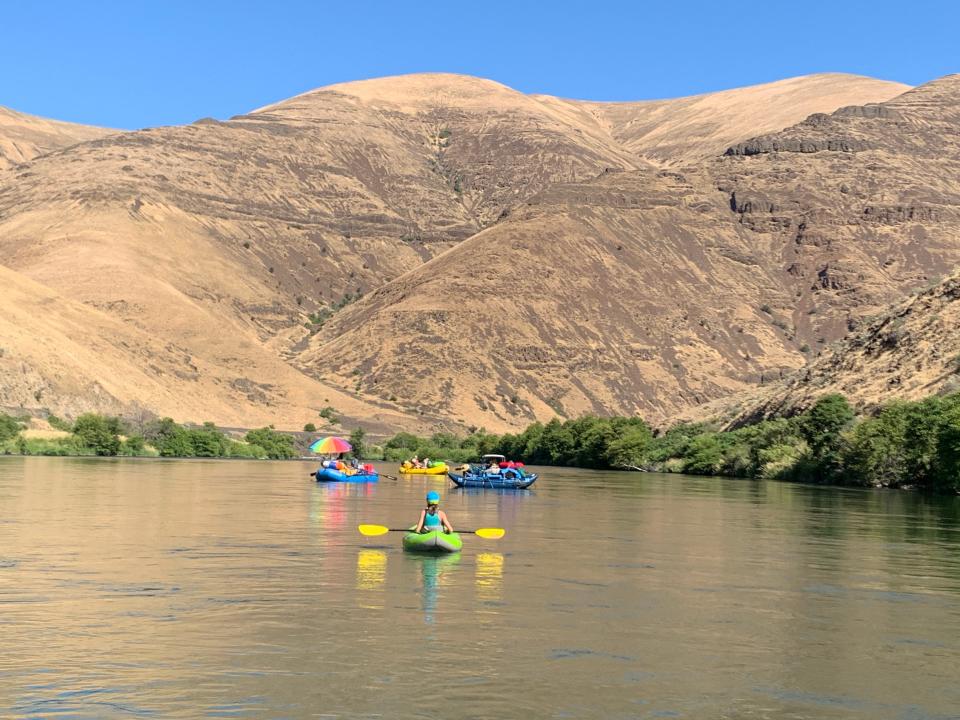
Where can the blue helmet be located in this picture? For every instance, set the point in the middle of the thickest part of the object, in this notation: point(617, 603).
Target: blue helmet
point(433, 498)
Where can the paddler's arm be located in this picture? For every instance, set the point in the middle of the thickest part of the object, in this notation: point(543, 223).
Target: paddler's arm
point(446, 523)
point(420, 521)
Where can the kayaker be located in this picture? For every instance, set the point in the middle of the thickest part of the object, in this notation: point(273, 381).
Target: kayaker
point(432, 517)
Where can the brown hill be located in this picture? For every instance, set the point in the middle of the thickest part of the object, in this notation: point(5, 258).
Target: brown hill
point(222, 240)
point(654, 291)
point(685, 130)
point(24, 137)
point(69, 356)
point(907, 353)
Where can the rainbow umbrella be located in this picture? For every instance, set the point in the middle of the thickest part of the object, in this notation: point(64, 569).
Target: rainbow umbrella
point(331, 446)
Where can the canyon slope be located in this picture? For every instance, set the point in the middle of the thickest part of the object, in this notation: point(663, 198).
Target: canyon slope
point(909, 352)
point(233, 254)
point(684, 130)
point(24, 137)
point(654, 291)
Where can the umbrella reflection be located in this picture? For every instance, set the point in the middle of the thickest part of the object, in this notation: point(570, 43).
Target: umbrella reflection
point(489, 575)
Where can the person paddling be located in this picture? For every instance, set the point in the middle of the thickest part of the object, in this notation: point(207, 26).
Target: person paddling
point(432, 518)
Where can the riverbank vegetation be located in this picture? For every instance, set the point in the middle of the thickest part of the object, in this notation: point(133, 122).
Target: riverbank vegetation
point(903, 444)
point(93, 434)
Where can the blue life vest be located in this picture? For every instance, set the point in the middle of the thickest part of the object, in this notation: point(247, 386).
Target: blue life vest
point(431, 520)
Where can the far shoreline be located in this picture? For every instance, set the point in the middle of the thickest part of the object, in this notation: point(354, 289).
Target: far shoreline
point(666, 474)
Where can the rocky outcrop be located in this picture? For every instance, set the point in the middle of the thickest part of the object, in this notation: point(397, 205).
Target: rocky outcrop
point(910, 352)
point(759, 146)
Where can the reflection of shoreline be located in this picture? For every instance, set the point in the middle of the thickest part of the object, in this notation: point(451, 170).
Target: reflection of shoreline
point(489, 576)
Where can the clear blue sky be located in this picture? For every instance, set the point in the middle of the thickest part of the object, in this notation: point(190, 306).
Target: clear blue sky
point(135, 64)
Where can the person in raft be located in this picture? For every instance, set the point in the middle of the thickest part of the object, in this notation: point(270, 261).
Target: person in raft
point(432, 517)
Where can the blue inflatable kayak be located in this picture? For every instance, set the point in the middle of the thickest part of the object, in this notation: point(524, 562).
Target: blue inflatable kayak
point(331, 475)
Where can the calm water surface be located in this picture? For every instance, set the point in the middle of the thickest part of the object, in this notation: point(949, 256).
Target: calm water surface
point(192, 589)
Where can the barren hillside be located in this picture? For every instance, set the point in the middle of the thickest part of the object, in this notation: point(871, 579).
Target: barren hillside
point(24, 137)
point(236, 242)
point(685, 130)
point(69, 356)
point(907, 353)
point(657, 291)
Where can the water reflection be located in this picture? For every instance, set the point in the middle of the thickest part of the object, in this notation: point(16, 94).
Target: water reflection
point(371, 569)
point(330, 502)
point(489, 576)
point(768, 599)
point(435, 571)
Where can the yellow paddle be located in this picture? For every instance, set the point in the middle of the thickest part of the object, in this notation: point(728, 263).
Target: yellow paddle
point(487, 533)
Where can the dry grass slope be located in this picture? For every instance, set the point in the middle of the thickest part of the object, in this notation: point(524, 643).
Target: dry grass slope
point(518, 255)
point(24, 137)
point(907, 353)
point(656, 291)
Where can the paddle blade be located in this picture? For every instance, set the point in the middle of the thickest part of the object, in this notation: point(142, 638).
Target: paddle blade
point(491, 533)
point(373, 530)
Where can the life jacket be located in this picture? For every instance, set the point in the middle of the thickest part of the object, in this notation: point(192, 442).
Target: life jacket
point(431, 520)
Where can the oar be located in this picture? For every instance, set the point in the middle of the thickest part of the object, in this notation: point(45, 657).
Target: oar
point(487, 533)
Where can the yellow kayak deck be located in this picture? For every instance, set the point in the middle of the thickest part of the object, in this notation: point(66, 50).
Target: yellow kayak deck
point(438, 470)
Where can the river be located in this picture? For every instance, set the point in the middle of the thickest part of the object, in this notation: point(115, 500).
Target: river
point(221, 589)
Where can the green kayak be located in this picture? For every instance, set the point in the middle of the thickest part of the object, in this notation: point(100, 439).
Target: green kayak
point(436, 541)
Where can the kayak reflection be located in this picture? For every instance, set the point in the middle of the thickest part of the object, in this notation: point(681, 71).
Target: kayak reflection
point(489, 575)
point(433, 569)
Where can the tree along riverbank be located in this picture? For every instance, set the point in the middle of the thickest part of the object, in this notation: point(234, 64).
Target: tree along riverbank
point(902, 444)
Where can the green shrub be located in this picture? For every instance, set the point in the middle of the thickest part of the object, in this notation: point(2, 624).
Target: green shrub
point(329, 413)
point(402, 440)
point(134, 445)
point(704, 456)
point(946, 475)
point(822, 428)
point(52, 446)
point(59, 423)
point(99, 433)
point(9, 427)
point(777, 460)
point(630, 448)
point(356, 440)
point(245, 450)
point(277, 446)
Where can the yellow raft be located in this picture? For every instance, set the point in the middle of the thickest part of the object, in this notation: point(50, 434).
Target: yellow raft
point(438, 469)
